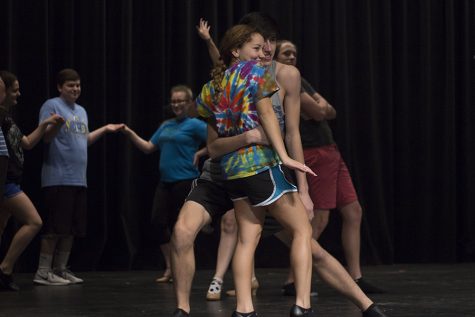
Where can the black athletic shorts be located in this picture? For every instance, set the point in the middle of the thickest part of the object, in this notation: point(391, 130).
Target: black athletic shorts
point(212, 196)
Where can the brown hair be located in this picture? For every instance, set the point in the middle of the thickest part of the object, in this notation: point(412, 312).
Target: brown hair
point(234, 38)
point(8, 78)
point(279, 45)
point(67, 74)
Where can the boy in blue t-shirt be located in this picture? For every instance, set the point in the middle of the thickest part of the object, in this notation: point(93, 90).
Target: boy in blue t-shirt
point(63, 179)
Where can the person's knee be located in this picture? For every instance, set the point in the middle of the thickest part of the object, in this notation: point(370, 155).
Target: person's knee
point(183, 236)
point(319, 223)
point(352, 213)
point(229, 225)
point(37, 224)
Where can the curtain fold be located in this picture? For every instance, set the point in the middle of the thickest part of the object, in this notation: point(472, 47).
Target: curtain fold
point(399, 72)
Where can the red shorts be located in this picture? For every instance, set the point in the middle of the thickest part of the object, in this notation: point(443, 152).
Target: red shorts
point(332, 188)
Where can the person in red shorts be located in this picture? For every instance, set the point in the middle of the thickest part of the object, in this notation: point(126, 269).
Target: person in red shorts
point(333, 188)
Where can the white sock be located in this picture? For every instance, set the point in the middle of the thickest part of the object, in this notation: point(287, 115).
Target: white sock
point(60, 260)
point(45, 261)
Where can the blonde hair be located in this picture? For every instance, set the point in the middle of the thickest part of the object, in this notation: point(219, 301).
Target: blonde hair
point(182, 88)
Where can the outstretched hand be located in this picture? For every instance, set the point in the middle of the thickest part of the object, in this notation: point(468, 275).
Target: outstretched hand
point(203, 29)
point(55, 119)
point(115, 127)
point(296, 165)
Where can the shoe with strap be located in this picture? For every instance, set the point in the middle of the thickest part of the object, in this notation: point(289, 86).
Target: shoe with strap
point(68, 275)
point(49, 278)
point(214, 290)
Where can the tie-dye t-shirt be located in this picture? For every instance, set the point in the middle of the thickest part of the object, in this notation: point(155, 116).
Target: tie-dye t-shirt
point(235, 112)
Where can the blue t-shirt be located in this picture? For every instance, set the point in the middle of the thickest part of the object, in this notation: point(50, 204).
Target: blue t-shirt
point(178, 141)
point(65, 157)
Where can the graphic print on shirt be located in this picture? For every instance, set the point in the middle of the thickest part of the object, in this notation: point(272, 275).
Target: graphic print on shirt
point(75, 125)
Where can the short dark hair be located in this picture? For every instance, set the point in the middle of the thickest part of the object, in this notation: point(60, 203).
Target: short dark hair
point(263, 22)
point(67, 74)
point(8, 78)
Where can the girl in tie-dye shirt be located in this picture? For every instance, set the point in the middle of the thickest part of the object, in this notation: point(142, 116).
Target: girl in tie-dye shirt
point(236, 101)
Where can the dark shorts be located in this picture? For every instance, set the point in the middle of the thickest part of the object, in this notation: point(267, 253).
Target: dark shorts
point(65, 210)
point(167, 202)
point(11, 190)
point(212, 196)
point(332, 188)
point(262, 189)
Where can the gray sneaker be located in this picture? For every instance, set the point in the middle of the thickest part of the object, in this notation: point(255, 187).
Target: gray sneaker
point(69, 276)
point(50, 279)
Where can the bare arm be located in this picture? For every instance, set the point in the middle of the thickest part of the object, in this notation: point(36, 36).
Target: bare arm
point(290, 82)
point(316, 107)
point(203, 32)
point(29, 141)
point(271, 127)
point(143, 145)
point(51, 132)
point(98, 133)
point(217, 147)
point(199, 154)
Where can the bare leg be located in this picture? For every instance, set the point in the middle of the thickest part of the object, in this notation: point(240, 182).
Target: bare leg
point(351, 237)
point(290, 212)
point(334, 274)
point(165, 248)
point(191, 219)
point(227, 243)
point(250, 223)
point(4, 216)
point(23, 210)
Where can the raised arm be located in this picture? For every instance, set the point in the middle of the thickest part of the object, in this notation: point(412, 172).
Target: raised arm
point(98, 133)
point(55, 121)
point(203, 32)
point(143, 145)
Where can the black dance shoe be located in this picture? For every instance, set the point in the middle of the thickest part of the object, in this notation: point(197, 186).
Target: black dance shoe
point(6, 282)
point(297, 311)
point(236, 314)
point(368, 288)
point(180, 313)
point(374, 311)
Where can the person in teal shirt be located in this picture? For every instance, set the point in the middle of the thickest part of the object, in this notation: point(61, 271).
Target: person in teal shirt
point(178, 140)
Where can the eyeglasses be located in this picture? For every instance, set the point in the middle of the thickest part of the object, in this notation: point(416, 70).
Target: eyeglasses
point(178, 102)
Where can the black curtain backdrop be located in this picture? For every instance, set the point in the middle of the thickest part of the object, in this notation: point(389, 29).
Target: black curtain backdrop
point(399, 72)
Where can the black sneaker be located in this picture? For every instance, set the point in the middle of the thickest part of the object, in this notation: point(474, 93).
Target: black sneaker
point(374, 311)
point(6, 282)
point(368, 288)
point(236, 314)
point(297, 311)
point(180, 313)
point(289, 290)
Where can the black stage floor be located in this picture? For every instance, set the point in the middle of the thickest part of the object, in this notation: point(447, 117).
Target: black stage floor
point(413, 291)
